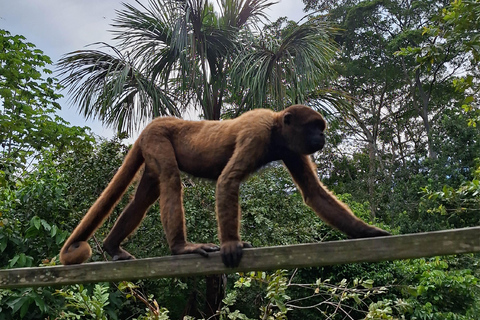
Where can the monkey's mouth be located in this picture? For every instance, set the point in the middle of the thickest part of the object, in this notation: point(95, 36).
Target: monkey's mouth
point(317, 144)
point(314, 147)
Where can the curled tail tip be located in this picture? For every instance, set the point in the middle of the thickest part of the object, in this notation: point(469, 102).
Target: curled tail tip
point(75, 253)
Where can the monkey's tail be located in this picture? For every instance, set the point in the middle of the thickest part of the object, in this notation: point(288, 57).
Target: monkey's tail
point(76, 249)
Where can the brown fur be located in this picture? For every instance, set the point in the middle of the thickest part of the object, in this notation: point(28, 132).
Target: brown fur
point(226, 151)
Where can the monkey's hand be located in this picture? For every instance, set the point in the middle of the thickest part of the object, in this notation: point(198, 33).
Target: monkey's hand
point(232, 252)
point(201, 248)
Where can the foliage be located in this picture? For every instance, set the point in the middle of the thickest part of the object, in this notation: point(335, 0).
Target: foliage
point(153, 310)
point(28, 103)
point(37, 210)
point(458, 205)
point(85, 305)
point(327, 299)
point(439, 291)
point(455, 31)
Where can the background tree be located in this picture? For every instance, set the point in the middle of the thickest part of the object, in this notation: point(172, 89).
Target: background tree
point(28, 103)
point(397, 103)
point(174, 55)
point(454, 30)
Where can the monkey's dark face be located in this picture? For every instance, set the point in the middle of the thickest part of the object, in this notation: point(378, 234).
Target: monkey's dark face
point(304, 130)
point(314, 138)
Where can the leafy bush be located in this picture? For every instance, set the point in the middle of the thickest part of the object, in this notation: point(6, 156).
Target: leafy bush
point(439, 292)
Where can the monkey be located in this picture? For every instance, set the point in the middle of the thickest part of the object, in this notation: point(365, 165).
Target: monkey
point(227, 152)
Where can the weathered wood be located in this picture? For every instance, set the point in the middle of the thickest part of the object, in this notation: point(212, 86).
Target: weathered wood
point(418, 245)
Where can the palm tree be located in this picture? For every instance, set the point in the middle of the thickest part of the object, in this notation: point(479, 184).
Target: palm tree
point(286, 65)
point(174, 55)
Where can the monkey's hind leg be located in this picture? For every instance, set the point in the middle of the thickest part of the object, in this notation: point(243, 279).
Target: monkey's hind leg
point(146, 194)
point(171, 206)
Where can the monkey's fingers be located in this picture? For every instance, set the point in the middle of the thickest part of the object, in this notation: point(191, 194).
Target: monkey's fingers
point(232, 259)
point(201, 252)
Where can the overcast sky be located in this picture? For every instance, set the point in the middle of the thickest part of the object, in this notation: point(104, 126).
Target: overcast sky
point(60, 26)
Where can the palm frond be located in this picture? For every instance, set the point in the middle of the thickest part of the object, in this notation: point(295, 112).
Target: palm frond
point(240, 13)
point(110, 88)
point(331, 101)
point(283, 71)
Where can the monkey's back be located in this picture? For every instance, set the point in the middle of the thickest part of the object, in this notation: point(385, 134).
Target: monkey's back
point(203, 148)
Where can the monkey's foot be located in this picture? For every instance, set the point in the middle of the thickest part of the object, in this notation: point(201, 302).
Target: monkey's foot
point(118, 254)
point(201, 248)
point(232, 252)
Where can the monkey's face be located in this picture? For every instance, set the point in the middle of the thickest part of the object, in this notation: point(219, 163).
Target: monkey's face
point(314, 138)
point(303, 130)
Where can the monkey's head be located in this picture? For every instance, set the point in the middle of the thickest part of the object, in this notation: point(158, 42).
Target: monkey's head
point(302, 129)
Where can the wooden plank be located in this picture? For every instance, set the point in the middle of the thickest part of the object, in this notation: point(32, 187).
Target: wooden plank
point(409, 246)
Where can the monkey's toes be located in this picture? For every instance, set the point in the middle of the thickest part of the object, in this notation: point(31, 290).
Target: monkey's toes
point(119, 257)
point(210, 247)
point(200, 248)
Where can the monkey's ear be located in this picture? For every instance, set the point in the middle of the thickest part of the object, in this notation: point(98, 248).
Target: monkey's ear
point(287, 118)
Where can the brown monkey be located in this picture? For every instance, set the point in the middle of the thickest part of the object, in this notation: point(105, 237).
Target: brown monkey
point(226, 151)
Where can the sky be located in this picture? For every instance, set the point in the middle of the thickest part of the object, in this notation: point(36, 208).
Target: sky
point(58, 27)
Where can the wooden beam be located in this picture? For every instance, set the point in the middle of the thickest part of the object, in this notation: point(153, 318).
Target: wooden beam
point(408, 246)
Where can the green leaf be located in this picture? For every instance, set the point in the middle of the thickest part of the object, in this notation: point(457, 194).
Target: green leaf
point(45, 225)
point(53, 231)
point(36, 222)
point(13, 261)
point(3, 242)
point(24, 308)
point(468, 100)
point(16, 304)
point(368, 283)
point(40, 304)
point(22, 259)
point(356, 298)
